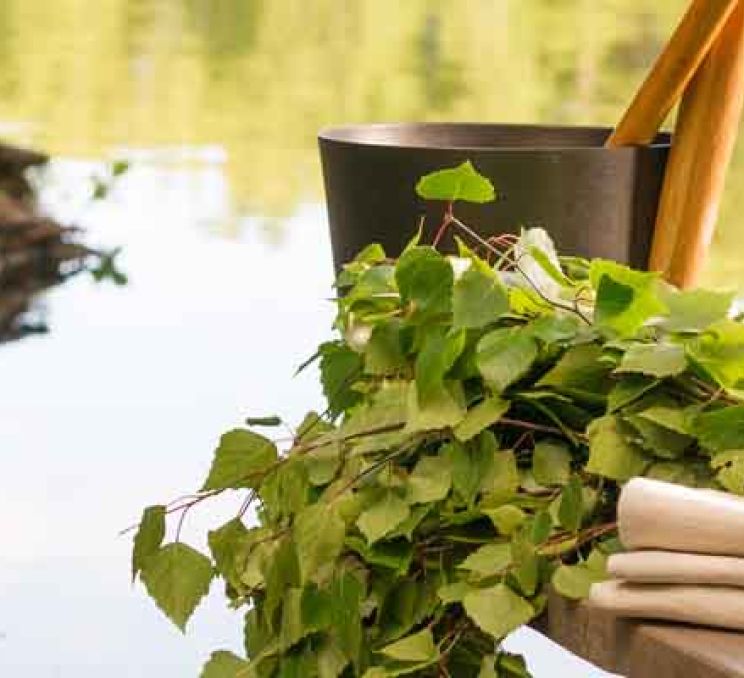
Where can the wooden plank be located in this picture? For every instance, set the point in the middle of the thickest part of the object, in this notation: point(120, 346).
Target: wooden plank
point(639, 649)
point(662, 650)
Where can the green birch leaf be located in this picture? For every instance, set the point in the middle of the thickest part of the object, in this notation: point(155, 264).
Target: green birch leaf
point(526, 569)
point(177, 577)
point(439, 351)
point(597, 562)
point(224, 664)
point(339, 368)
point(395, 554)
point(319, 537)
point(347, 594)
point(418, 647)
point(454, 592)
point(695, 310)
point(721, 430)
point(677, 472)
point(488, 667)
point(574, 581)
point(406, 604)
point(626, 299)
point(479, 299)
point(512, 666)
point(148, 538)
point(581, 374)
point(323, 462)
point(507, 518)
point(478, 263)
point(258, 637)
point(505, 356)
point(224, 544)
point(384, 351)
point(552, 270)
point(284, 491)
point(373, 253)
point(383, 517)
point(425, 280)
point(541, 527)
point(312, 427)
point(551, 463)
point(730, 470)
point(659, 440)
point(497, 610)
point(298, 664)
point(502, 479)
point(628, 389)
point(483, 415)
point(387, 408)
point(488, 560)
point(551, 329)
point(304, 611)
point(655, 360)
point(463, 182)
point(240, 460)
point(292, 628)
point(430, 480)
point(250, 556)
point(407, 527)
point(669, 416)
point(720, 352)
point(571, 508)
point(280, 571)
point(444, 408)
point(470, 464)
point(331, 660)
point(611, 454)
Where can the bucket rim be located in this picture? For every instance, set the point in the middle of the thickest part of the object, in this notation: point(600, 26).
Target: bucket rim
point(372, 135)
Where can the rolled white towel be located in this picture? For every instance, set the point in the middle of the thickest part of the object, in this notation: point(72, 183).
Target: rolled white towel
point(669, 567)
point(656, 515)
point(719, 606)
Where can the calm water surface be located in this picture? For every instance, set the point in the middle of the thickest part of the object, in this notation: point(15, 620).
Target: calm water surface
point(216, 104)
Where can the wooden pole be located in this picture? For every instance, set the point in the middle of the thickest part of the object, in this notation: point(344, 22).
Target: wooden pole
point(682, 157)
point(712, 113)
point(672, 72)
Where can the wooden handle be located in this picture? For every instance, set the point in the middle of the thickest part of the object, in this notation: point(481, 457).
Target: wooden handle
point(682, 158)
point(708, 131)
point(672, 72)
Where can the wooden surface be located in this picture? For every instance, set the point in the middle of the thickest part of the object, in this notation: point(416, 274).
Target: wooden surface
point(643, 649)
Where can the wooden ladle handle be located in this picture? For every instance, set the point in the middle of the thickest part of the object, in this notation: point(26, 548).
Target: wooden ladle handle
point(672, 72)
point(696, 175)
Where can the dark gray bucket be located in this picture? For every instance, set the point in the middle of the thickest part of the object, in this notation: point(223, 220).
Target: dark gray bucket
point(594, 201)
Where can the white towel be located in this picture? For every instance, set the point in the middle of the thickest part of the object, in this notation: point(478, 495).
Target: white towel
point(668, 567)
point(658, 515)
point(719, 606)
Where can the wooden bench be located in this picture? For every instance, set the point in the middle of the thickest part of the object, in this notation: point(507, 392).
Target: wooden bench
point(640, 649)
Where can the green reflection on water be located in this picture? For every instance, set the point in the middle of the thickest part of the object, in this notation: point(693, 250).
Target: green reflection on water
point(262, 76)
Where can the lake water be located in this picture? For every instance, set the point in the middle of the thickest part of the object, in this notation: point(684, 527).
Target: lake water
point(216, 103)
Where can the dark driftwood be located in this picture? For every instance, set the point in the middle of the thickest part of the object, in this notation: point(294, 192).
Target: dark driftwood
point(36, 252)
point(20, 158)
point(639, 649)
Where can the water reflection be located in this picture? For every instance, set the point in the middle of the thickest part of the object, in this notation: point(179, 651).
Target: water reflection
point(36, 253)
point(260, 78)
